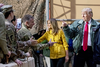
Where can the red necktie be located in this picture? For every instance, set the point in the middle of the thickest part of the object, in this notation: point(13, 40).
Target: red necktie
point(85, 39)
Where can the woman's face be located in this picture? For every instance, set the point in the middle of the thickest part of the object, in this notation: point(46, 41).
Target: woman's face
point(49, 25)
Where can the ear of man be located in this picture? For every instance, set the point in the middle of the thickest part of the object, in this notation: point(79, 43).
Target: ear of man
point(26, 23)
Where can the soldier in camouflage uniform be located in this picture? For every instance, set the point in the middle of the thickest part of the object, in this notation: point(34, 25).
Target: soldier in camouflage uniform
point(11, 36)
point(3, 46)
point(25, 34)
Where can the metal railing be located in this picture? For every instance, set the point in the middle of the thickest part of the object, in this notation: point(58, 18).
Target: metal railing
point(74, 19)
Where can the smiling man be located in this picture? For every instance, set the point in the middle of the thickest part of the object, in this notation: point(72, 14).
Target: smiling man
point(83, 32)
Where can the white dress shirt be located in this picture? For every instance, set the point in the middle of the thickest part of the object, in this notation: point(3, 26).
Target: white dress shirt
point(89, 37)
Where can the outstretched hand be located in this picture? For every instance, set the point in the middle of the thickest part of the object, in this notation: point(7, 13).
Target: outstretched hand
point(33, 42)
point(51, 43)
point(64, 24)
point(19, 63)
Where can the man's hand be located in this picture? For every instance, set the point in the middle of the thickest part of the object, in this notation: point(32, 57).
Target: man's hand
point(64, 24)
point(51, 43)
point(33, 42)
point(9, 54)
point(19, 63)
point(28, 54)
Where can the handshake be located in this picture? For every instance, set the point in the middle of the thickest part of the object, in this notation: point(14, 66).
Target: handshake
point(34, 42)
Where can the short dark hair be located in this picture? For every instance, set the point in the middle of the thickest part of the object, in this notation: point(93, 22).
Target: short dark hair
point(7, 13)
point(26, 18)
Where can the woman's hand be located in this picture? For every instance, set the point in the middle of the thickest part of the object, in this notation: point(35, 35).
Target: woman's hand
point(51, 43)
point(67, 56)
point(66, 59)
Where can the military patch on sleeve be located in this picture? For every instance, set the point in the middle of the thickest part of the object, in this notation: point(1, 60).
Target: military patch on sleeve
point(79, 27)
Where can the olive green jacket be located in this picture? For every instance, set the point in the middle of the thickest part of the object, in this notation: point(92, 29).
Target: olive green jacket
point(3, 45)
point(76, 31)
point(13, 41)
point(25, 35)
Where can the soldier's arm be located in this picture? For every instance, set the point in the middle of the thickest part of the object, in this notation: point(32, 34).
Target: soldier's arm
point(29, 42)
point(10, 39)
point(40, 46)
point(43, 45)
point(16, 53)
point(21, 54)
point(23, 46)
point(24, 43)
point(3, 44)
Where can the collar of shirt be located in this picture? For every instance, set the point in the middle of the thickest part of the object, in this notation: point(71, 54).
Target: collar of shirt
point(89, 22)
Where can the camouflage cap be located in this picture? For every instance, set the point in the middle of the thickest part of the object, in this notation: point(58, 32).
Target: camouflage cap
point(6, 8)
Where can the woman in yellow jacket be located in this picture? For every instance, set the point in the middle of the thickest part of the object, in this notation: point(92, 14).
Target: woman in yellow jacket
point(59, 51)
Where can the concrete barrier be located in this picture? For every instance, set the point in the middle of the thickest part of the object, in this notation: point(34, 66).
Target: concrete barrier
point(28, 63)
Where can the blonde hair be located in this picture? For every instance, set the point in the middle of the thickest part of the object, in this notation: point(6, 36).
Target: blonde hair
point(54, 25)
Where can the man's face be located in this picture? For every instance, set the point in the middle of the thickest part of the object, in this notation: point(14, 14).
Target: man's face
point(31, 23)
point(12, 15)
point(86, 16)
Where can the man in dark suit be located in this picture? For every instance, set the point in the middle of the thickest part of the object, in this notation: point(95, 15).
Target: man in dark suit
point(83, 32)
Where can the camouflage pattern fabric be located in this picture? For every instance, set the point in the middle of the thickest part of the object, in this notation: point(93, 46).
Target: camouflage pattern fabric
point(25, 35)
point(12, 41)
point(10, 36)
point(3, 45)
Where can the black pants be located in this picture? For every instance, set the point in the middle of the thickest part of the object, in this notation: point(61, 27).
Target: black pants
point(84, 56)
point(57, 62)
point(40, 61)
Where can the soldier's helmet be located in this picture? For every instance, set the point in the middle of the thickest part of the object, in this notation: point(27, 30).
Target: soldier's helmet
point(6, 8)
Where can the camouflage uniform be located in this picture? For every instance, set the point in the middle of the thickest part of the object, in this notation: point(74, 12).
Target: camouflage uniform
point(12, 38)
point(25, 35)
point(12, 41)
point(3, 45)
